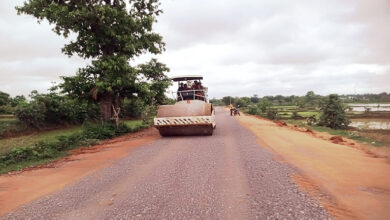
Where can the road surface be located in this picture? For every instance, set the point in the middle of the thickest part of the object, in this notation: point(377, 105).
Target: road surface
point(224, 176)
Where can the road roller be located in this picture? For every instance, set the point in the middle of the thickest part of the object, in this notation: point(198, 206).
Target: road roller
point(192, 114)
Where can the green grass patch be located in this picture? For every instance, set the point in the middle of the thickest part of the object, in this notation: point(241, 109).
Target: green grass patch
point(285, 106)
point(309, 113)
point(38, 149)
point(133, 124)
point(7, 144)
point(9, 124)
point(344, 133)
point(348, 134)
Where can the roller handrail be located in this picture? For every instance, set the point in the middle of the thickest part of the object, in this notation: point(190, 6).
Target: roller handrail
point(194, 95)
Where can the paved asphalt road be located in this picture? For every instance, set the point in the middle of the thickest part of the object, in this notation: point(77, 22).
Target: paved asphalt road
point(224, 176)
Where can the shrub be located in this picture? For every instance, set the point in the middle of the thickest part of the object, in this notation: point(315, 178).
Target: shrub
point(253, 110)
point(264, 105)
point(333, 113)
point(100, 132)
point(272, 114)
point(149, 113)
point(31, 114)
point(52, 108)
point(132, 108)
point(90, 135)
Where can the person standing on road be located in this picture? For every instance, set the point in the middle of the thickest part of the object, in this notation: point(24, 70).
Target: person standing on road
point(237, 110)
point(231, 109)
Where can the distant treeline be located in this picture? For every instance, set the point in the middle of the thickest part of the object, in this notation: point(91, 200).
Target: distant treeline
point(309, 100)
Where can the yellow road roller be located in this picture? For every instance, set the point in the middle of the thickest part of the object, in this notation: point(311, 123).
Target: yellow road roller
point(192, 114)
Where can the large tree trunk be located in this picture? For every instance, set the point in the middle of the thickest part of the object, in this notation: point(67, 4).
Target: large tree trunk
point(105, 104)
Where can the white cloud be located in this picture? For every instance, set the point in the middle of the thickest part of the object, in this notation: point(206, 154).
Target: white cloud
point(242, 48)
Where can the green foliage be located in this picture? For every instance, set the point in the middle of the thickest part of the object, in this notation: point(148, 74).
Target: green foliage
point(349, 134)
point(149, 113)
point(253, 110)
point(110, 33)
point(272, 114)
point(311, 99)
point(42, 150)
point(264, 105)
point(132, 107)
point(7, 109)
point(236, 101)
point(53, 108)
point(216, 102)
point(17, 100)
point(31, 114)
point(295, 115)
point(227, 100)
point(255, 99)
point(242, 102)
point(4, 98)
point(333, 113)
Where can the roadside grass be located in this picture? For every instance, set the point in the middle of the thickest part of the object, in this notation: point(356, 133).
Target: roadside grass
point(344, 133)
point(7, 144)
point(133, 124)
point(9, 123)
point(349, 134)
point(40, 148)
point(30, 163)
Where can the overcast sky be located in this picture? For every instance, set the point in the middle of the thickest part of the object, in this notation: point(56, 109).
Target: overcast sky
point(246, 47)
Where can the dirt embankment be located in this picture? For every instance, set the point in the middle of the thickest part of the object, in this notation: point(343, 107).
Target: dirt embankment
point(54, 176)
point(351, 180)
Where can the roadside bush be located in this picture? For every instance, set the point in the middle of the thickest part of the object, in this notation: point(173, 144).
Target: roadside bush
point(333, 113)
point(100, 132)
point(132, 108)
point(264, 105)
point(90, 135)
point(7, 109)
point(52, 108)
point(149, 113)
point(31, 114)
point(272, 114)
point(253, 110)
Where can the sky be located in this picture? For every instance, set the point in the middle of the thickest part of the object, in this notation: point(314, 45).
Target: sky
point(242, 48)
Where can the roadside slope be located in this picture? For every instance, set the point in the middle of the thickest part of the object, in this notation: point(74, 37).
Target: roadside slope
point(22, 187)
point(349, 182)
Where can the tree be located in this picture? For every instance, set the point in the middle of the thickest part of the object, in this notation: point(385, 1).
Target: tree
point(110, 33)
point(264, 105)
point(243, 101)
point(18, 99)
point(227, 100)
point(333, 113)
point(310, 99)
point(255, 98)
point(4, 98)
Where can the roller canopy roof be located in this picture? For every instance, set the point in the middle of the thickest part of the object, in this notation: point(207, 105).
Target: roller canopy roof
point(187, 77)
